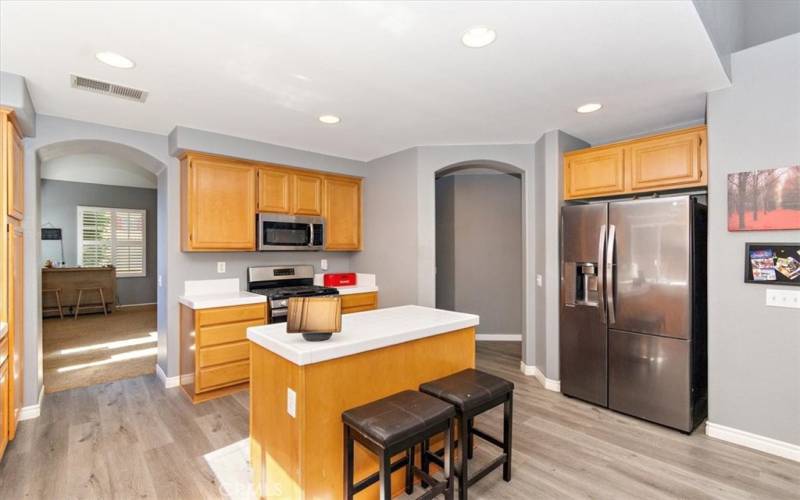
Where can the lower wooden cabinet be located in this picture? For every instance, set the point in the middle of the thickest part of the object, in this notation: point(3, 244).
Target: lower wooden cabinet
point(672, 160)
point(215, 352)
point(358, 302)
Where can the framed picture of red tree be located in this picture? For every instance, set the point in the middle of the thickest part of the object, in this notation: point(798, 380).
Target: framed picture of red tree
point(764, 200)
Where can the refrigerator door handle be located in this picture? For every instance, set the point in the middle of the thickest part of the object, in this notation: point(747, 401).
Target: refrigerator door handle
point(610, 273)
point(601, 245)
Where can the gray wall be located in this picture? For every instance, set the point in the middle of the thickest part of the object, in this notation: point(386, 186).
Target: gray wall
point(754, 350)
point(60, 200)
point(390, 227)
point(484, 226)
point(446, 243)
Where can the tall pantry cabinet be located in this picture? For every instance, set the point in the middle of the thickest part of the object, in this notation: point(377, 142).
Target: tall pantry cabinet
point(12, 241)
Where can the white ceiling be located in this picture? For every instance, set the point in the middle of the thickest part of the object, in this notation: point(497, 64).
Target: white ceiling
point(396, 72)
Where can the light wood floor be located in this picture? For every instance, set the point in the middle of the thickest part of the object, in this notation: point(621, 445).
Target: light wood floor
point(132, 438)
point(95, 349)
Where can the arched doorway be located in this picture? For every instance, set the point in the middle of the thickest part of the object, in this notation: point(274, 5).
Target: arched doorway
point(101, 199)
point(480, 228)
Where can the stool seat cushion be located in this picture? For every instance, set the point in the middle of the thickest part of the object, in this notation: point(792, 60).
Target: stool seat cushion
point(468, 389)
point(395, 418)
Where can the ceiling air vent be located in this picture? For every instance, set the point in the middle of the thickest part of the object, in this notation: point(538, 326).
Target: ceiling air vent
point(112, 89)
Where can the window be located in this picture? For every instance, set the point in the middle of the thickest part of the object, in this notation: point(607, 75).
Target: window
point(115, 236)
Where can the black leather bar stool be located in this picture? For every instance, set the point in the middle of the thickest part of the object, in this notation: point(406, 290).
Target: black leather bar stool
point(473, 392)
point(392, 425)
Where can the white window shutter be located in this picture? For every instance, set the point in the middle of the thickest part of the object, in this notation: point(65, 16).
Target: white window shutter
point(113, 236)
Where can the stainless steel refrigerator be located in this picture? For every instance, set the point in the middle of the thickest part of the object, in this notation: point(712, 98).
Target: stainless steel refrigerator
point(633, 307)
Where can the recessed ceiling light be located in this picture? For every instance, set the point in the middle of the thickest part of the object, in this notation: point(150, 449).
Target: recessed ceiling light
point(329, 119)
point(478, 36)
point(589, 108)
point(115, 60)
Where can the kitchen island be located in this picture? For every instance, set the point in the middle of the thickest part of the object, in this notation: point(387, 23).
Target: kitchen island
point(299, 389)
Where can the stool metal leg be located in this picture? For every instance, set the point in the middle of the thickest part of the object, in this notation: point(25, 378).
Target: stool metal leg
point(348, 463)
point(448, 461)
point(410, 469)
point(463, 474)
point(78, 303)
point(508, 413)
point(103, 300)
point(58, 303)
point(425, 462)
point(385, 477)
point(471, 442)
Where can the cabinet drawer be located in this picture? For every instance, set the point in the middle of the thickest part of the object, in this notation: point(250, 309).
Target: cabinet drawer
point(223, 334)
point(231, 314)
point(360, 301)
point(227, 374)
point(226, 353)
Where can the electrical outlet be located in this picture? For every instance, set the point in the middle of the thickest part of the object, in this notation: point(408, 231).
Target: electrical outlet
point(323, 264)
point(220, 267)
point(783, 298)
point(291, 402)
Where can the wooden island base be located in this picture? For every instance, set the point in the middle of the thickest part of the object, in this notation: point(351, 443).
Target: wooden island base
point(301, 457)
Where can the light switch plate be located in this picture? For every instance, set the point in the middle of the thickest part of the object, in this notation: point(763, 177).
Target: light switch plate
point(220, 267)
point(783, 298)
point(538, 280)
point(291, 402)
point(159, 280)
point(323, 264)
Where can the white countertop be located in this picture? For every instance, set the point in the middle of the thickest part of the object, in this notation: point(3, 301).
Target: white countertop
point(365, 283)
point(205, 294)
point(362, 332)
point(3, 329)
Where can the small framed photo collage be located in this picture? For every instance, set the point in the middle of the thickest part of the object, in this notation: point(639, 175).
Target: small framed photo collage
point(772, 263)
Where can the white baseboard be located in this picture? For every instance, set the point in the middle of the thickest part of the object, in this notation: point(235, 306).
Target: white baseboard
point(169, 382)
point(755, 441)
point(547, 383)
point(499, 337)
point(123, 306)
point(32, 411)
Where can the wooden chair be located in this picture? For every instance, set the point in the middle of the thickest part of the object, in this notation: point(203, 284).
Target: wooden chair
point(102, 302)
point(57, 292)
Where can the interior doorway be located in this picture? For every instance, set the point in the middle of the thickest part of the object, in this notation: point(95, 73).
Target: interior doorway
point(479, 249)
point(98, 218)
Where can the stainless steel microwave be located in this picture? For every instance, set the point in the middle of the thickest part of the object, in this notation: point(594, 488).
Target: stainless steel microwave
point(290, 232)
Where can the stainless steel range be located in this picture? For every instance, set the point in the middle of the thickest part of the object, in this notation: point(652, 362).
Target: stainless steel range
point(280, 283)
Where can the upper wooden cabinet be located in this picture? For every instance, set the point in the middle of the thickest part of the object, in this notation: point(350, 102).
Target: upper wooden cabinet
point(274, 190)
point(221, 197)
point(343, 213)
point(307, 194)
point(218, 204)
point(595, 173)
point(14, 161)
point(673, 160)
point(289, 191)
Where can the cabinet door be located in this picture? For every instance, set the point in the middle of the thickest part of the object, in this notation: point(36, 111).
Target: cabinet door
point(668, 162)
point(307, 194)
point(15, 323)
point(594, 173)
point(342, 213)
point(3, 408)
point(221, 198)
point(16, 172)
point(274, 190)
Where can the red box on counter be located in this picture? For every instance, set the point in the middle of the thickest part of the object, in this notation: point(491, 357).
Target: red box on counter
point(339, 279)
